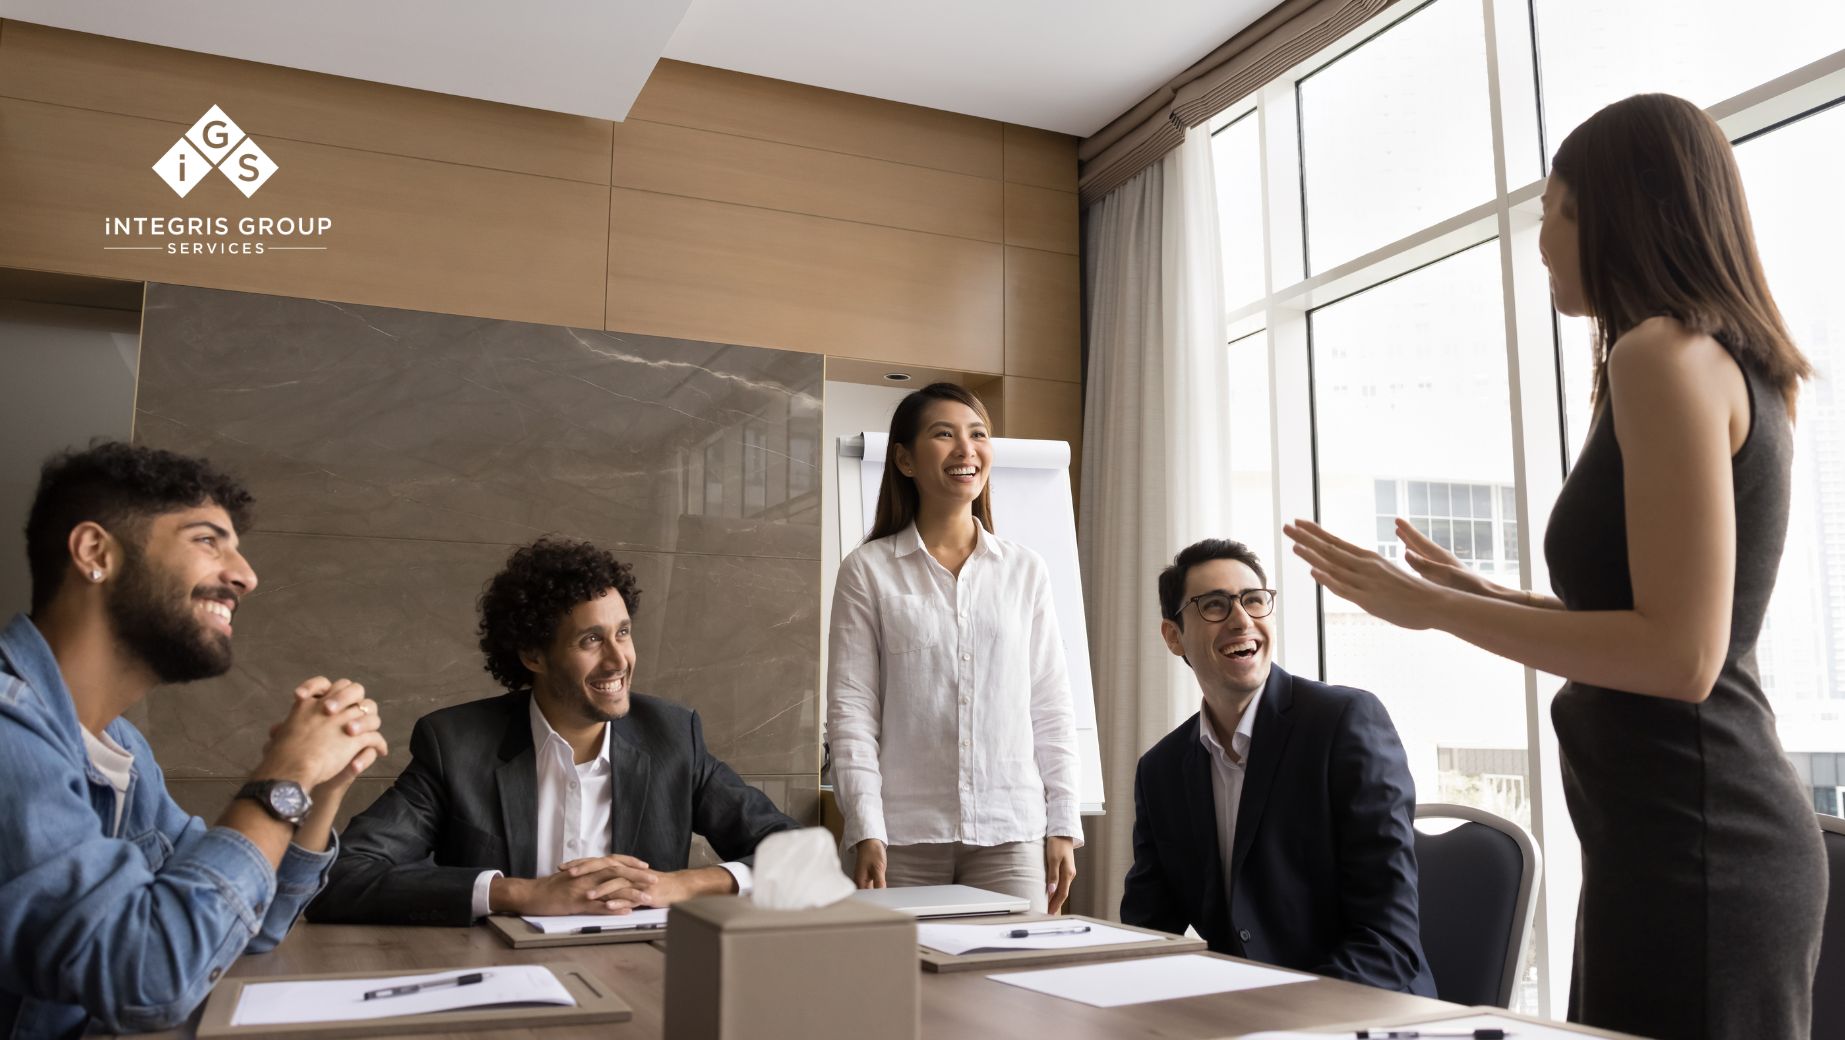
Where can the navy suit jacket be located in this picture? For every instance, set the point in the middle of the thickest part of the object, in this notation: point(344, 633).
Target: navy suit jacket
point(467, 802)
point(1324, 860)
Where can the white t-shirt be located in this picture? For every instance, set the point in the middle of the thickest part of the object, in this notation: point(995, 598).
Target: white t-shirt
point(115, 764)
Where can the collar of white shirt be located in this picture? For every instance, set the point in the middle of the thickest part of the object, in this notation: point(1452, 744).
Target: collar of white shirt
point(1245, 729)
point(909, 540)
point(543, 735)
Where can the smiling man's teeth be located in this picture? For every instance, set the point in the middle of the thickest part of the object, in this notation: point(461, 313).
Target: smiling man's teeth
point(215, 607)
point(607, 687)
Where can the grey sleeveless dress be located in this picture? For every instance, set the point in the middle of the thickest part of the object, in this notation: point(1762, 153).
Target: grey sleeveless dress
point(1703, 873)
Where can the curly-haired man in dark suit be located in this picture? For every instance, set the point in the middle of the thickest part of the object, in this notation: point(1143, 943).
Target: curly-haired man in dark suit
point(568, 794)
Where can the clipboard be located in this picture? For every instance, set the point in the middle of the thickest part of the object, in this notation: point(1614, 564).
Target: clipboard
point(519, 935)
point(596, 1002)
point(1157, 943)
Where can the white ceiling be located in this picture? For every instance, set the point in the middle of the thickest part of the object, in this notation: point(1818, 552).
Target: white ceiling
point(585, 57)
point(1065, 65)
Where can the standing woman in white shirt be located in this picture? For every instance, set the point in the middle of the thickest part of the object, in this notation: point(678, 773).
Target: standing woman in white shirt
point(948, 705)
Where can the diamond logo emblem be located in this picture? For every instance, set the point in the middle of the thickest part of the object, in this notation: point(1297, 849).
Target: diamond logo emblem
point(182, 167)
point(215, 135)
point(248, 167)
point(215, 142)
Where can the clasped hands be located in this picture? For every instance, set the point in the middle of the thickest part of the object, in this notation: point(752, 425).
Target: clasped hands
point(613, 884)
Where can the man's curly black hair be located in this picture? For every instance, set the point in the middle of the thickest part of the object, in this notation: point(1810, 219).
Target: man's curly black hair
point(542, 582)
point(120, 486)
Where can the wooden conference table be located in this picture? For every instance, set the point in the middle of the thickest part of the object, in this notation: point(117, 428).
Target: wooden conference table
point(964, 1004)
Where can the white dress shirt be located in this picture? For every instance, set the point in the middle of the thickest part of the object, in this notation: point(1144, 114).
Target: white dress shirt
point(1227, 771)
point(574, 808)
point(948, 704)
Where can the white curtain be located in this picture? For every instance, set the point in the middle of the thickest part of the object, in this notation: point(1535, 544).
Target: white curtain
point(1155, 461)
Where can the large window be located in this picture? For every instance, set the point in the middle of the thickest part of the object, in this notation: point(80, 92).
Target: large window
point(1396, 135)
point(1415, 369)
point(1596, 52)
point(1252, 471)
point(1236, 154)
point(1410, 412)
point(1793, 174)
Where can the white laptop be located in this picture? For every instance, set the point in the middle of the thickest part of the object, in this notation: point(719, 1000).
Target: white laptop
point(943, 900)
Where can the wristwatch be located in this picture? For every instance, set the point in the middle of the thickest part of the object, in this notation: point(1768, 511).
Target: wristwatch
point(283, 799)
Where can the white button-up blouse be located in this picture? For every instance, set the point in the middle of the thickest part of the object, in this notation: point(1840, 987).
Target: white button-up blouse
point(948, 703)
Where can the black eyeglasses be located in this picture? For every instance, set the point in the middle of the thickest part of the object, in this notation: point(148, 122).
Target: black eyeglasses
point(1215, 606)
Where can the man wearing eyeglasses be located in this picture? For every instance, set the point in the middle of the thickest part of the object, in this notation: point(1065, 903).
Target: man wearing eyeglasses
point(1278, 820)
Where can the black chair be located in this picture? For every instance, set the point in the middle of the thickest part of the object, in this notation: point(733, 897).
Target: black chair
point(1829, 984)
point(1477, 884)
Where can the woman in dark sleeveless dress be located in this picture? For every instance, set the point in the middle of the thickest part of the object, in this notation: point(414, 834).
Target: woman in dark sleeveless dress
point(1703, 876)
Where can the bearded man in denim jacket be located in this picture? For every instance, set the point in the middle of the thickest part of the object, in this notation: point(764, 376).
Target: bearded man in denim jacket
point(118, 909)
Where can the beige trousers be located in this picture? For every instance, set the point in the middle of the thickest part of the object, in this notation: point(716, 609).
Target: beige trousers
point(1015, 868)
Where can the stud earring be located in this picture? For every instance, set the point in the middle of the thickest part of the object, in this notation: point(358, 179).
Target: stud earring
point(95, 575)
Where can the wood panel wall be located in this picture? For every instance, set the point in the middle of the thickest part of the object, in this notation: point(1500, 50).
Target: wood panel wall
point(727, 208)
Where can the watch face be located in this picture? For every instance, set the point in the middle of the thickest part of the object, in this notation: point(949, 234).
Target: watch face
point(288, 800)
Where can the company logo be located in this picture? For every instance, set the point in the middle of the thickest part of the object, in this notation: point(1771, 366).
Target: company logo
point(215, 143)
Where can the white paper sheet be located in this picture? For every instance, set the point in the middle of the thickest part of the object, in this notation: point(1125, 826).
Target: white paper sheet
point(966, 938)
point(1149, 979)
point(343, 1000)
point(1516, 1029)
point(650, 918)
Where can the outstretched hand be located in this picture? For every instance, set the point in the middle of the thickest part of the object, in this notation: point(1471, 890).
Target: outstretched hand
point(1374, 584)
point(1426, 557)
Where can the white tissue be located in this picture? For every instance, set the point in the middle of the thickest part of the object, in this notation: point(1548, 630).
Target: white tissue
point(797, 870)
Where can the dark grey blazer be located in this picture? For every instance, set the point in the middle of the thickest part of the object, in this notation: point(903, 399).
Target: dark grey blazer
point(467, 800)
point(1324, 857)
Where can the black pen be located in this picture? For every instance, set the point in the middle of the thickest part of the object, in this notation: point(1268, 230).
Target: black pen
point(417, 987)
point(593, 929)
point(1026, 933)
point(1413, 1034)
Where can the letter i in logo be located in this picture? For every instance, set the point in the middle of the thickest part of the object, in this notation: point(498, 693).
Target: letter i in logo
point(182, 167)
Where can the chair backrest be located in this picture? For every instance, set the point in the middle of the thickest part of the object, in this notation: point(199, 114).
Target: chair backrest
point(1829, 984)
point(1477, 885)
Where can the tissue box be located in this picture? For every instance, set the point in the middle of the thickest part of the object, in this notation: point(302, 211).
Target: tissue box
point(735, 971)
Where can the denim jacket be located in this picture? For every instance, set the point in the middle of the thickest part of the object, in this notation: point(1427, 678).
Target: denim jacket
point(129, 928)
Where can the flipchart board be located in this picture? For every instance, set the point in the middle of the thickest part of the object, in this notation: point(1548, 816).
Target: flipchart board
point(1032, 506)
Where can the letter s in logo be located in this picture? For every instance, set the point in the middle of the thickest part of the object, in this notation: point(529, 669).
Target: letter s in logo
point(247, 163)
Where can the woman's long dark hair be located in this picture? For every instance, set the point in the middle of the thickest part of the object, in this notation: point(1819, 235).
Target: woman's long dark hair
point(897, 495)
point(1664, 229)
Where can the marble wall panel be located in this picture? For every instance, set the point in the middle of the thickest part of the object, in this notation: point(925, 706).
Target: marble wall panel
point(397, 458)
point(381, 422)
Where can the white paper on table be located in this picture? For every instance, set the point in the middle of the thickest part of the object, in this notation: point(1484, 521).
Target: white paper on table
point(970, 938)
point(1517, 1029)
point(343, 1000)
point(638, 919)
point(1149, 979)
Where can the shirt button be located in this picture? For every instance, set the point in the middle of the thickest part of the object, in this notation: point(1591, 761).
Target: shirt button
point(964, 700)
point(967, 657)
point(258, 908)
point(573, 785)
point(216, 974)
point(1243, 935)
point(965, 743)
